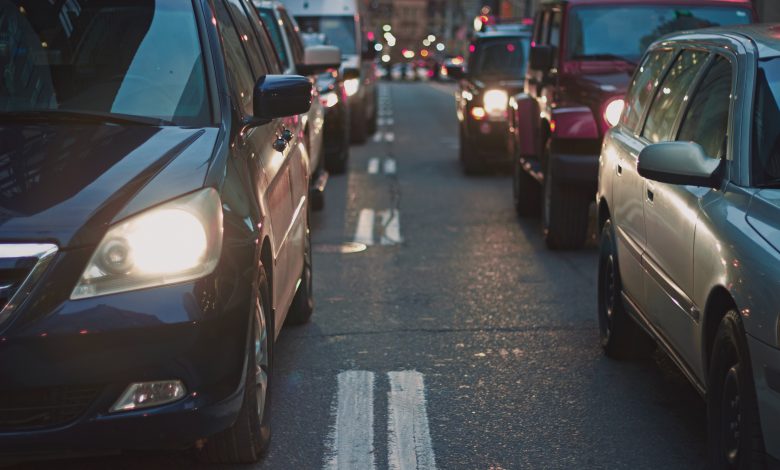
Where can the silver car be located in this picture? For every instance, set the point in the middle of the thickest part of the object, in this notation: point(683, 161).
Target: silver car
point(689, 211)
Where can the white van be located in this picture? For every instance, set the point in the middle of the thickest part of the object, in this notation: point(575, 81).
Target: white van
point(340, 21)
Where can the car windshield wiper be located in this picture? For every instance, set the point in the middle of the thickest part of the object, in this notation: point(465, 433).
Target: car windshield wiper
point(84, 116)
point(604, 57)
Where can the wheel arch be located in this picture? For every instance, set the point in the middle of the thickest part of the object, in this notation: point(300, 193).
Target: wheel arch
point(719, 302)
point(602, 213)
point(267, 262)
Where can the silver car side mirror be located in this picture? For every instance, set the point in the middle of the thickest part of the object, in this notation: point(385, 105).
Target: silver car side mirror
point(683, 163)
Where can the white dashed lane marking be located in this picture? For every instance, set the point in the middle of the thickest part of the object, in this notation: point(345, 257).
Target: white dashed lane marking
point(351, 441)
point(409, 436)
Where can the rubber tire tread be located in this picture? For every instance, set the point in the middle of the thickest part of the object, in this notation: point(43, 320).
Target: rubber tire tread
point(627, 339)
point(569, 214)
point(527, 192)
point(731, 333)
point(239, 444)
point(302, 306)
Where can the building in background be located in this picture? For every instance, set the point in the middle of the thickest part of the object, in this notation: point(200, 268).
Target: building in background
point(768, 10)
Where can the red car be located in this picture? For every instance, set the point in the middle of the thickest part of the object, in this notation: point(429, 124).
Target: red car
point(582, 58)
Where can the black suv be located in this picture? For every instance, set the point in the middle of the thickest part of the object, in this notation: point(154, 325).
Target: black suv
point(495, 71)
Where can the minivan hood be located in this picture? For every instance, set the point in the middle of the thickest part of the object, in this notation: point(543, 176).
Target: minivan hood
point(65, 182)
point(763, 215)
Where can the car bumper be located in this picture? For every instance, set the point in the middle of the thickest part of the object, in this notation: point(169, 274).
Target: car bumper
point(489, 140)
point(766, 375)
point(83, 355)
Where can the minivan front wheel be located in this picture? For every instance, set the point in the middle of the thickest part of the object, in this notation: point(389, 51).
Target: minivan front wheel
point(248, 438)
point(735, 438)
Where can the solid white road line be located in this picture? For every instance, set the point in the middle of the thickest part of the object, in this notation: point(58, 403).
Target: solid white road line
point(351, 441)
point(389, 166)
point(364, 233)
point(409, 437)
point(391, 225)
point(373, 166)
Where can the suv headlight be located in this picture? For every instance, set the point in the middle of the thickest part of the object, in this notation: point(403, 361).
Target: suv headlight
point(496, 102)
point(178, 241)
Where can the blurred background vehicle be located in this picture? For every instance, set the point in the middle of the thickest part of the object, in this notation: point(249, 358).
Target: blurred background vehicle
point(341, 22)
point(333, 97)
point(584, 54)
point(495, 70)
point(311, 61)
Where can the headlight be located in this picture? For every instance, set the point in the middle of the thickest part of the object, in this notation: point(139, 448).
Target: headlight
point(351, 86)
point(496, 101)
point(175, 242)
point(329, 100)
point(613, 111)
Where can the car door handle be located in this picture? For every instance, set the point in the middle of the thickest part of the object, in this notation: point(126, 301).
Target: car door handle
point(650, 195)
point(619, 169)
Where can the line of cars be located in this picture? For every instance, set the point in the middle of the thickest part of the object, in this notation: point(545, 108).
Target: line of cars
point(158, 165)
point(677, 135)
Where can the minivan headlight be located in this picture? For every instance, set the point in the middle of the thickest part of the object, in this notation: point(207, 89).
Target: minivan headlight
point(178, 241)
point(496, 101)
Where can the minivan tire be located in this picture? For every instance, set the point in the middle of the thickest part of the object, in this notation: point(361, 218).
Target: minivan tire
point(469, 164)
point(735, 439)
point(526, 192)
point(303, 303)
point(620, 336)
point(247, 439)
point(565, 212)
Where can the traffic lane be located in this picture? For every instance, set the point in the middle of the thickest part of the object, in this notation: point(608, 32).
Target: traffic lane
point(469, 273)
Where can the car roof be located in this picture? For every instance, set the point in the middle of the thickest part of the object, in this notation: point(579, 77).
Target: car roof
point(746, 3)
point(766, 37)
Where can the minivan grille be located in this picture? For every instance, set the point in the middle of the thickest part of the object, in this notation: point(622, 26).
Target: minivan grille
point(43, 407)
point(21, 266)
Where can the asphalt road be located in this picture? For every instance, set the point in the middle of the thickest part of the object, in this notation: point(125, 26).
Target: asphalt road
point(455, 340)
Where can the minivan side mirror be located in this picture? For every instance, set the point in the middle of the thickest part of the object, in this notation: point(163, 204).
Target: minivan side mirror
point(455, 71)
point(683, 163)
point(277, 96)
point(541, 57)
point(318, 59)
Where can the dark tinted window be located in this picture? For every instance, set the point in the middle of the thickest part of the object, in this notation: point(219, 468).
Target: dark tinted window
point(248, 38)
point(671, 95)
point(602, 32)
point(236, 63)
point(275, 31)
point(110, 56)
point(766, 122)
point(340, 30)
point(707, 118)
point(499, 59)
point(269, 52)
point(293, 35)
point(645, 80)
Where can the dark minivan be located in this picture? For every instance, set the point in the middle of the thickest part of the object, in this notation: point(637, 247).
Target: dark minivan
point(154, 230)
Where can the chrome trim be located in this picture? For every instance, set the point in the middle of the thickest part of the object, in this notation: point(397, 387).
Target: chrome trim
point(44, 252)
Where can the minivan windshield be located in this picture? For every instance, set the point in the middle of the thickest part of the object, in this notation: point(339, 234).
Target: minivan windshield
point(766, 123)
point(624, 32)
point(500, 59)
point(132, 58)
point(340, 30)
